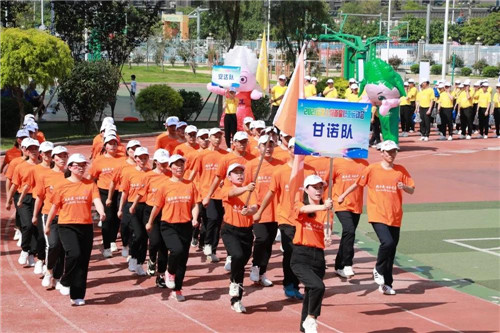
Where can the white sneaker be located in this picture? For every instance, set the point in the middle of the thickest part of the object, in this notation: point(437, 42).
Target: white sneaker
point(23, 258)
point(125, 251)
point(106, 253)
point(254, 274)
point(310, 325)
point(278, 236)
point(20, 240)
point(31, 260)
point(207, 249)
point(113, 247)
point(177, 295)
point(450, 138)
point(386, 290)
point(346, 272)
point(426, 139)
point(468, 137)
point(170, 280)
point(139, 270)
point(47, 280)
point(227, 265)
point(17, 234)
point(38, 267)
point(378, 278)
point(476, 131)
point(212, 258)
point(99, 224)
point(44, 269)
point(58, 285)
point(78, 302)
point(485, 137)
point(64, 290)
point(264, 281)
point(234, 289)
point(132, 264)
point(422, 138)
point(411, 131)
point(238, 307)
point(459, 132)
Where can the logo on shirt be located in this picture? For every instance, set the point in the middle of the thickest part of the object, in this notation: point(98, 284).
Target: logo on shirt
point(386, 188)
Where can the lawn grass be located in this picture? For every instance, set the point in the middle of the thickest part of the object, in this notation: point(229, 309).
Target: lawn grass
point(154, 74)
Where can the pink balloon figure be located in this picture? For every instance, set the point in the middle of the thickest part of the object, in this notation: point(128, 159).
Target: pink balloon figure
point(243, 57)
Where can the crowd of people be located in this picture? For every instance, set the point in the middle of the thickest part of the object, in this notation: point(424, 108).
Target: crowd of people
point(189, 193)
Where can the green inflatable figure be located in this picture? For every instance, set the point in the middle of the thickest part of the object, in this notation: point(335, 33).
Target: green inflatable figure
point(384, 87)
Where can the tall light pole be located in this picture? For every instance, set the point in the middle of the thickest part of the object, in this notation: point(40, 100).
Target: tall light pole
point(388, 29)
point(42, 26)
point(445, 40)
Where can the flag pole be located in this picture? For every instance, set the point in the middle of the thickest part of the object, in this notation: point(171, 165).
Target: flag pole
point(329, 227)
point(254, 180)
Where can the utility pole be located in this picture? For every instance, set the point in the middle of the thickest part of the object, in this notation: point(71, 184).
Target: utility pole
point(445, 40)
point(428, 24)
point(388, 29)
point(42, 26)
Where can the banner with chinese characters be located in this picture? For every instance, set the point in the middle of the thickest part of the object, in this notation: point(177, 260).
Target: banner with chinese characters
point(226, 76)
point(332, 128)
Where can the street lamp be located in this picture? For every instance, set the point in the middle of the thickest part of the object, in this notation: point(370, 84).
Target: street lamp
point(42, 26)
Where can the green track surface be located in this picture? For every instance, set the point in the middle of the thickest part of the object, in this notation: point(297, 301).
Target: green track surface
point(423, 250)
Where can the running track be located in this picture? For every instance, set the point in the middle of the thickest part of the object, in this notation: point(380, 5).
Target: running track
point(118, 301)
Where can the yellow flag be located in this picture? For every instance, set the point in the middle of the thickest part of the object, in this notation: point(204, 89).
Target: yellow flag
point(262, 75)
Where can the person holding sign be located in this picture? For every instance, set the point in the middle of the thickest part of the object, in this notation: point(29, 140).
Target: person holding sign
point(308, 258)
point(330, 91)
point(386, 182)
point(230, 121)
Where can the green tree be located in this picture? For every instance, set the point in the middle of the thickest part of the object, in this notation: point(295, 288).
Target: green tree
point(229, 11)
point(360, 26)
point(88, 90)
point(487, 28)
point(11, 13)
point(32, 54)
point(158, 101)
point(412, 5)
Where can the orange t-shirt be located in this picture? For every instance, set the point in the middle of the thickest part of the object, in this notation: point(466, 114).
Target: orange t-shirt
point(233, 207)
point(44, 189)
point(280, 187)
point(345, 173)
point(309, 231)
point(74, 201)
point(185, 148)
point(385, 200)
point(176, 200)
point(134, 183)
point(12, 166)
point(154, 181)
point(281, 154)
point(103, 168)
point(11, 154)
point(97, 145)
point(166, 142)
point(230, 159)
point(25, 176)
point(206, 166)
point(40, 137)
point(121, 172)
point(40, 172)
point(320, 164)
point(262, 185)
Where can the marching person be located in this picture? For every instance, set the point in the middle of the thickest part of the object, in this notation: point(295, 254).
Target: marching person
point(330, 91)
point(424, 105)
point(405, 112)
point(73, 200)
point(483, 109)
point(465, 110)
point(445, 110)
point(168, 139)
point(412, 96)
point(176, 199)
point(496, 110)
point(386, 182)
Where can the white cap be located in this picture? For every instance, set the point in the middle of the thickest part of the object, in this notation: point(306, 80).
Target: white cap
point(270, 129)
point(352, 80)
point(133, 143)
point(214, 131)
point(388, 145)
point(191, 129)
point(485, 84)
point(247, 120)
point(108, 138)
point(447, 84)
point(22, 133)
point(234, 166)
point(405, 84)
point(424, 80)
point(291, 142)
point(258, 124)
point(441, 85)
point(264, 138)
point(458, 82)
point(240, 135)
point(141, 151)
point(174, 158)
point(109, 132)
point(77, 158)
point(108, 120)
point(282, 77)
point(498, 85)
point(171, 121)
point(180, 124)
point(29, 118)
point(232, 89)
point(307, 77)
point(477, 83)
point(354, 86)
point(161, 156)
point(461, 85)
point(107, 125)
point(27, 142)
point(467, 82)
point(314, 78)
point(31, 127)
point(411, 81)
point(46, 146)
point(59, 150)
point(313, 180)
point(202, 132)
point(284, 134)
point(329, 81)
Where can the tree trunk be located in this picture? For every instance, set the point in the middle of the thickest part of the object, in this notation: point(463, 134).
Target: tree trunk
point(19, 94)
point(112, 104)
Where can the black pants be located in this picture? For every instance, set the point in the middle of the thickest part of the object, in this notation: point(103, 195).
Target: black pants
point(287, 233)
point(375, 131)
point(483, 121)
point(54, 252)
point(474, 109)
point(77, 242)
point(230, 127)
point(157, 248)
point(177, 237)
point(215, 212)
point(496, 114)
point(345, 254)
point(265, 233)
point(139, 241)
point(238, 243)
point(18, 217)
point(200, 231)
point(111, 224)
point(308, 263)
point(28, 230)
point(274, 110)
point(41, 244)
point(412, 110)
point(405, 115)
point(446, 115)
point(125, 224)
point(467, 118)
point(389, 238)
point(425, 124)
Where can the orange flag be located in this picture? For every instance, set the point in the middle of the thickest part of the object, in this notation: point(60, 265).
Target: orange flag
point(287, 112)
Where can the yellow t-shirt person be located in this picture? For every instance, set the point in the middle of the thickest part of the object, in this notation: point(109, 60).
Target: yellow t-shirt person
point(412, 94)
point(231, 104)
point(425, 97)
point(483, 99)
point(463, 101)
point(445, 101)
point(310, 90)
point(330, 92)
point(276, 92)
point(496, 100)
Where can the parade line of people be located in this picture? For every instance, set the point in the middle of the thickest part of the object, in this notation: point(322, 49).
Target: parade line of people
point(190, 192)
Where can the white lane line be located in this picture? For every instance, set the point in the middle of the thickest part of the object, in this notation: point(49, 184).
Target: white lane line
point(459, 243)
point(427, 319)
point(33, 292)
